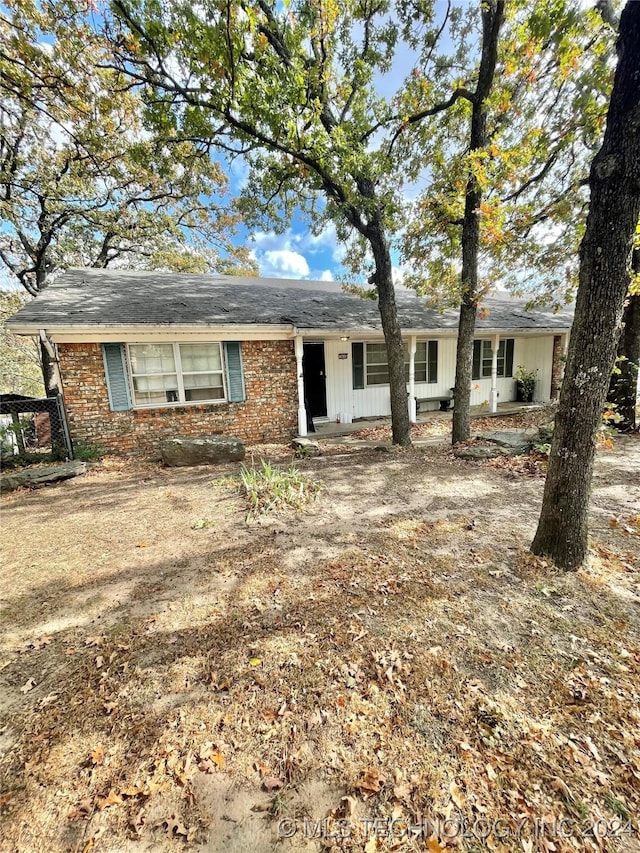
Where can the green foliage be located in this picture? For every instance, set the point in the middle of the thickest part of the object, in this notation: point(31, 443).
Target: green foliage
point(22, 460)
point(8, 433)
point(526, 379)
point(292, 88)
point(88, 452)
point(272, 490)
point(20, 371)
point(82, 183)
point(544, 116)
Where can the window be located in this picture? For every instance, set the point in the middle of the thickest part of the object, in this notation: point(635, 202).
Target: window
point(483, 357)
point(370, 366)
point(377, 368)
point(176, 373)
point(425, 362)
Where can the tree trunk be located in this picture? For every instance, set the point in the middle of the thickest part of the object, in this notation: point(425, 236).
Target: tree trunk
point(461, 428)
point(492, 18)
point(614, 181)
point(623, 388)
point(400, 426)
point(49, 373)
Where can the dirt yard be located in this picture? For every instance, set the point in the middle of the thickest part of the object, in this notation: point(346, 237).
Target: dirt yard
point(390, 670)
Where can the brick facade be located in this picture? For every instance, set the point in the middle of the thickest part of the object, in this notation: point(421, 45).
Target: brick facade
point(269, 414)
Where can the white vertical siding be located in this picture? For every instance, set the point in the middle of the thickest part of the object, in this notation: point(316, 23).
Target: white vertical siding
point(537, 352)
point(342, 398)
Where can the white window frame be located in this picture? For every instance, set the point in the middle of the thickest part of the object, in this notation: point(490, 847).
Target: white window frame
point(368, 384)
point(487, 344)
point(181, 401)
point(424, 341)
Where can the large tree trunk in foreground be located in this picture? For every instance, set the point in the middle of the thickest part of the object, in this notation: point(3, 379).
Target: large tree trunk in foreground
point(605, 252)
point(623, 388)
point(492, 17)
point(383, 278)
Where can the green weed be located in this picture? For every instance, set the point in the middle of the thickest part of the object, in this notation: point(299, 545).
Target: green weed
point(271, 490)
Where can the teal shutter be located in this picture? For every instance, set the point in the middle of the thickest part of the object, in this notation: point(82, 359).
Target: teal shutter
point(508, 362)
point(432, 361)
point(235, 376)
point(357, 365)
point(115, 371)
point(475, 372)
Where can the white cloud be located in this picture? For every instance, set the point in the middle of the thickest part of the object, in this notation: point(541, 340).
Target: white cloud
point(283, 262)
point(327, 275)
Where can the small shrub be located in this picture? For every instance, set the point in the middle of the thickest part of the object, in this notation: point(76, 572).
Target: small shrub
point(271, 490)
point(543, 448)
point(526, 382)
point(88, 453)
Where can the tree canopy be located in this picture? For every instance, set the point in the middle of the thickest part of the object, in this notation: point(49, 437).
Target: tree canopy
point(81, 181)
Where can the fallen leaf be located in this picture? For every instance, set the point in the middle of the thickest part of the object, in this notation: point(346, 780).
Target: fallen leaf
point(491, 773)
point(174, 826)
point(255, 661)
point(28, 685)
point(97, 756)
point(262, 769)
point(112, 799)
point(370, 782)
point(456, 795)
point(592, 748)
point(218, 759)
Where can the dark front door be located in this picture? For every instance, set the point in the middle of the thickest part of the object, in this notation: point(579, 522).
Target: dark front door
point(315, 380)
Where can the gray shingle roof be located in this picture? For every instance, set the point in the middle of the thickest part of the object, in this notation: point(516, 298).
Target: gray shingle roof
point(88, 297)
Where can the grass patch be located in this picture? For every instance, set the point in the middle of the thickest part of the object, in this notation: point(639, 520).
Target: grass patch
point(272, 490)
point(88, 452)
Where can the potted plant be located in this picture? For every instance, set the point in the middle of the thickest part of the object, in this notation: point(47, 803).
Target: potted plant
point(525, 384)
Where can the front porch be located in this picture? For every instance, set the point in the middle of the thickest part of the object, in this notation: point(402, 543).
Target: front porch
point(331, 429)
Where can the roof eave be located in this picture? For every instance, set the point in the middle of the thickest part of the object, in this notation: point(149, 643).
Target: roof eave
point(63, 332)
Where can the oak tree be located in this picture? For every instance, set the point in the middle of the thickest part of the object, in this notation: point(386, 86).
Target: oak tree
point(507, 159)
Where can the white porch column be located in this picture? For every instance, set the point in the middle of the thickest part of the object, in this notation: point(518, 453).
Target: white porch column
point(302, 412)
point(412, 380)
point(493, 394)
